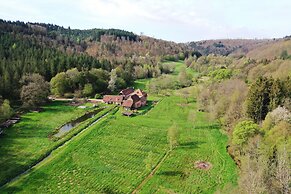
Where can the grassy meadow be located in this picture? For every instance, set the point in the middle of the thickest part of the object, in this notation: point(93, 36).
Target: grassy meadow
point(109, 157)
point(26, 142)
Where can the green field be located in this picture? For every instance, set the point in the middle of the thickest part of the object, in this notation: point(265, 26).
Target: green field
point(27, 141)
point(181, 64)
point(109, 156)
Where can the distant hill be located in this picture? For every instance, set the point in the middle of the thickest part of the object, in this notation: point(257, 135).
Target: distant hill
point(253, 48)
point(271, 50)
point(227, 46)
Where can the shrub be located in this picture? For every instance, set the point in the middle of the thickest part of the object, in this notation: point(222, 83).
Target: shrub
point(221, 74)
point(243, 131)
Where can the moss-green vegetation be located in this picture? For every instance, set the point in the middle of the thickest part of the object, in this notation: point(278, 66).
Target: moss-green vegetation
point(110, 156)
point(28, 141)
point(180, 65)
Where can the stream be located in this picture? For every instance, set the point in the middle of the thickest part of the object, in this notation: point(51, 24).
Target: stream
point(68, 126)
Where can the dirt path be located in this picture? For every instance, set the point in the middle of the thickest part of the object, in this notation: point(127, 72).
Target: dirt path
point(147, 178)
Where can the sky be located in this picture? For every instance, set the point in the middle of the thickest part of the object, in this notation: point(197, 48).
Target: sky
point(174, 20)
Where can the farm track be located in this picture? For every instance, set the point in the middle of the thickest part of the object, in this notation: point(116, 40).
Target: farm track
point(49, 154)
point(147, 178)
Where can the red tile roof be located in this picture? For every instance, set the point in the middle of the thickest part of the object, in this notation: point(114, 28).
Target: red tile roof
point(113, 98)
point(126, 91)
point(127, 103)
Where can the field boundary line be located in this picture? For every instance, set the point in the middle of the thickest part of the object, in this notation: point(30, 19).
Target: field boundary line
point(149, 176)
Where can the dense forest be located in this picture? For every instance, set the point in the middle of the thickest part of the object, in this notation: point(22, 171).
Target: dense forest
point(51, 51)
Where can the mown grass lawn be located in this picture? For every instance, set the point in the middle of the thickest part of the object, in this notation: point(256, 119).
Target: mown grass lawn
point(27, 141)
point(109, 156)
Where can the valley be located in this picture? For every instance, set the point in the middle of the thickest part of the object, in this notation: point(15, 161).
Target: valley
point(110, 111)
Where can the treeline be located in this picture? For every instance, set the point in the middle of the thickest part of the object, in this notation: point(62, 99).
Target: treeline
point(247, 69)
point(65, 34)
point(89, 35)
point(90, 83)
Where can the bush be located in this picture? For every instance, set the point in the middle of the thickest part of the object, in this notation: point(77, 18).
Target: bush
point(243, 131)
point(5, 110)
point(98, 96)
point(221, 74)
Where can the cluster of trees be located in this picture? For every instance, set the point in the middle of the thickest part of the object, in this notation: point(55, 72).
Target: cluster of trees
point(224, 67)
point(224, 101)
point(263, 153)
point(151, 71)
point(265, 95)
point(34, 92)
point(257, 119)
point(79, 83)
point(164, 83)
point(88, 83)
point(221, 74)
point(206, 64)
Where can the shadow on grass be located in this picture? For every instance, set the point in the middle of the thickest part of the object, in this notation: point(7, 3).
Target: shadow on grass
point(212, 126)
point(143, 110)
point(19, 188)
point(172, 173)
point(189, 145)
point(109, 190)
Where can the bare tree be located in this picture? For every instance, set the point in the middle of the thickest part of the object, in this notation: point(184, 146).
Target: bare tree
point(283, 171)
point(253, 168)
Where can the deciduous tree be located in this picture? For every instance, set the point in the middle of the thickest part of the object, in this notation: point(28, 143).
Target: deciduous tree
point(112, 81)
point(34, 91)
point(243, 131)
point(5, 110)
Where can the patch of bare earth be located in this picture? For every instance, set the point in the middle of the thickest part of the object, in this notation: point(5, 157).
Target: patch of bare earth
point(203, 165)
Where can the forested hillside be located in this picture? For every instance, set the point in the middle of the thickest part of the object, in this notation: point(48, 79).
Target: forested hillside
point(47, 49)
point(227, 46)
